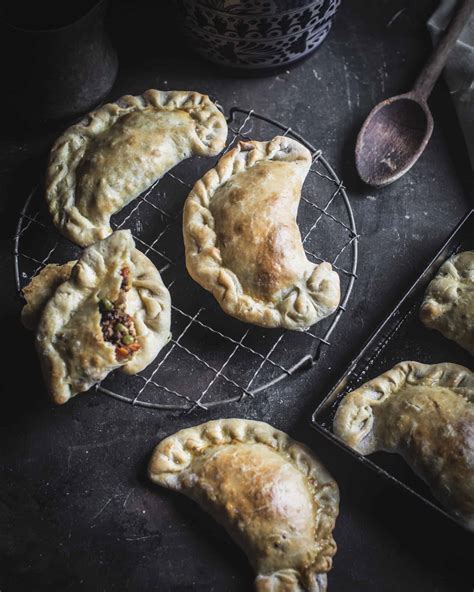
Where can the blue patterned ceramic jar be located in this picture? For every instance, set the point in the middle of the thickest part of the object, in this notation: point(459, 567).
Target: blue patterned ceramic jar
point(258, 34)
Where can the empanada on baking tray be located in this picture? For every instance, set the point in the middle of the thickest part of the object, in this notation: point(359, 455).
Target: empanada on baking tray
point(448, 305)
point(425, 413)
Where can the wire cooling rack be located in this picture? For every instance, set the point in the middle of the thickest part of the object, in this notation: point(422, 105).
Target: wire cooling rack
point(212, 359)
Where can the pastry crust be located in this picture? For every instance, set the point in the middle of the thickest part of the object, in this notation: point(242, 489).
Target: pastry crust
point(149, 304)
point(40, 289)
point(243, 243)
point(69, 336)
point(270, 493)
point(426, 414)
point(117, 151)
point(448, 305)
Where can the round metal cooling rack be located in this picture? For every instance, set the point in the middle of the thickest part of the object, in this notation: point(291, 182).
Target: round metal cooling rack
point(212, 359)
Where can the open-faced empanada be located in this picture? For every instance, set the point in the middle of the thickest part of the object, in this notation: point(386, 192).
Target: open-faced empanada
point(100, 164)
point(426, 414)
point(269, 492)
point(112, 311)
point(448, 305)
point(243, 243)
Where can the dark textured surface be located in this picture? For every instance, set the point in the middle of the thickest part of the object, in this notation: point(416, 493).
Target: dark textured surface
point(68, 69)
point(76, 511)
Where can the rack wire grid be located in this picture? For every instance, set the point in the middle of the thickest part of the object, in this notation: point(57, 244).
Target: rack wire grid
point(212, 359)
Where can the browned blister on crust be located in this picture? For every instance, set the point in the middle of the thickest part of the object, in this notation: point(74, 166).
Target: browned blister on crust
point(270, 493)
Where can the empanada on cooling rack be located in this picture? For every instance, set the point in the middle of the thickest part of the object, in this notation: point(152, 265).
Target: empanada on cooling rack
point(116, 152)
point(111, 310)
point(270, 493)
point(426, 414)
point(448, 305)
point(243, 243)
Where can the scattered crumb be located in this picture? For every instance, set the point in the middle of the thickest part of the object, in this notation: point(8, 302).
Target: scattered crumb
point(371, 197)
point(407, 217)
point(395, 16)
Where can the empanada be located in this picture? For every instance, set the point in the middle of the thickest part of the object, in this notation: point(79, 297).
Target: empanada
point(111, 310)
point(448, 305)
point(426, 414)
point(270, 493)
point(243, 243)
point(100, 164)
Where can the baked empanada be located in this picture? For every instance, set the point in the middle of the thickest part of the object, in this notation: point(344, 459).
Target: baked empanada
point(269, 492)
point(100, 164)
point(243, 243)
point(109, 310)
point(426, 414)
point(448, 305)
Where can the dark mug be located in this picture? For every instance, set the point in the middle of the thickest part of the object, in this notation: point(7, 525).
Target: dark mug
point(57, 65)
point(256, 35)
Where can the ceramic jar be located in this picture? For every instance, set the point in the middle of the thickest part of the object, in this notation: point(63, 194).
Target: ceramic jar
point(256, 35)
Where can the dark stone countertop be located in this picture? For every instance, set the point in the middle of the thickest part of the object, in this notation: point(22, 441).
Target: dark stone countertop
point(76, 510)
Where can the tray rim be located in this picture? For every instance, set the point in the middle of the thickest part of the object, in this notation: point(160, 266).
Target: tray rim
point(465, 221)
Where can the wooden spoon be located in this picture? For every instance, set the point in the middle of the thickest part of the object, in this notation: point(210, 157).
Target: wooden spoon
point(397, 130)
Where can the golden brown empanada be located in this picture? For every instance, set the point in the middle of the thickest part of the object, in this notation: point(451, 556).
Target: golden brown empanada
point(111, 310)
point(100, 164)
point(448, 305)
point(270, 493)
point(243, 243)
point(426, 414)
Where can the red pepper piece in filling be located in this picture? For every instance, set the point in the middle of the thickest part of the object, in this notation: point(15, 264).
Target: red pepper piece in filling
point(126, 284)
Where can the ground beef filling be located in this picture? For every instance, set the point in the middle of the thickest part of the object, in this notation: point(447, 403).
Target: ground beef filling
point(118, 327)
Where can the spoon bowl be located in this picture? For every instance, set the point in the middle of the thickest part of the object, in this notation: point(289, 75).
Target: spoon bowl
point(392, 139)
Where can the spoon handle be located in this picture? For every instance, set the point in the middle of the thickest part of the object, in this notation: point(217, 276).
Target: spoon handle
point(430, 73)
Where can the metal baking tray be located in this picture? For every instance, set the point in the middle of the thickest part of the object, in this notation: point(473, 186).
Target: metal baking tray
point(401, 336)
